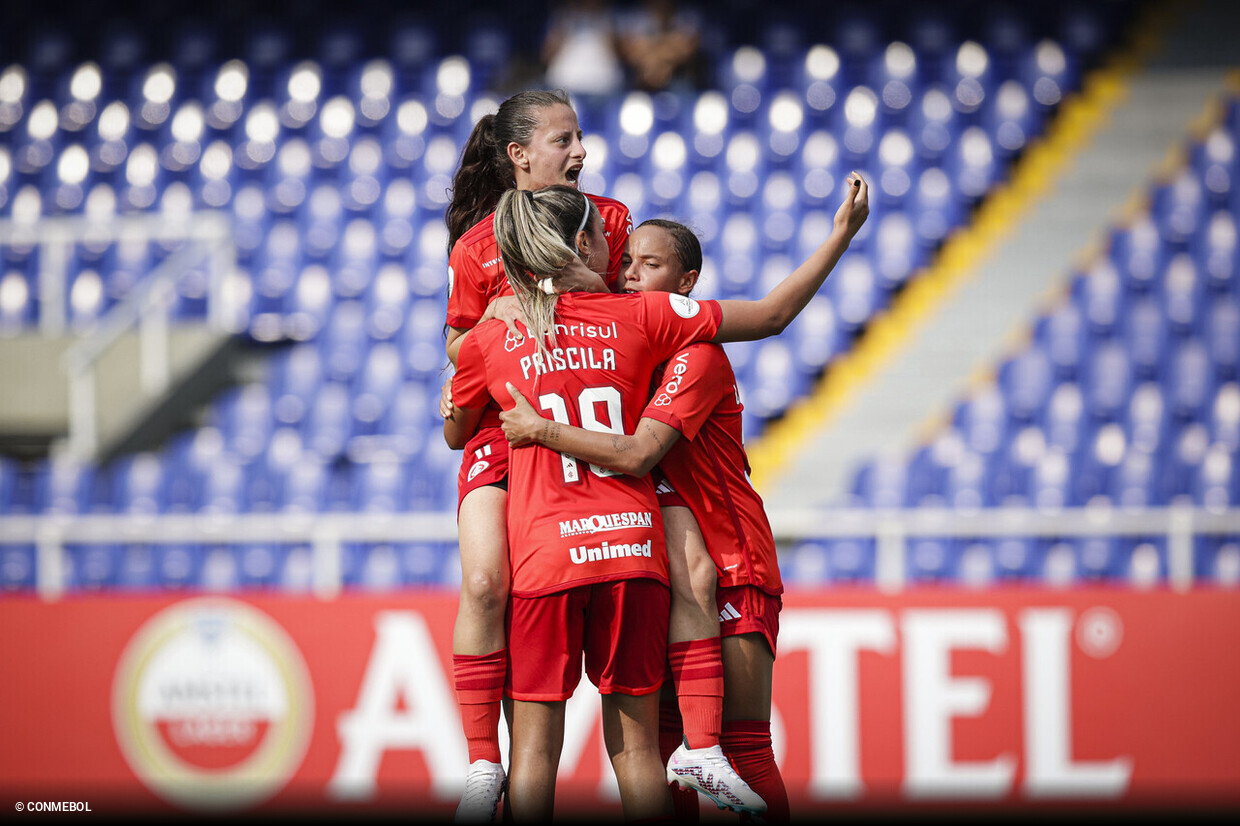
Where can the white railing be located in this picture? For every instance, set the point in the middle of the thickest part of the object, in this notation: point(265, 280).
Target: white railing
point(205, 236)
point(326, 534)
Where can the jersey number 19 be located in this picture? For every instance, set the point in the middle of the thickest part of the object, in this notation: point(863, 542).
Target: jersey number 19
point(555, 404)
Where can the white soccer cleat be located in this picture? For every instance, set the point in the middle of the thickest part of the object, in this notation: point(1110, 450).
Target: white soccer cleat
point(709, 772)
point(484, 788)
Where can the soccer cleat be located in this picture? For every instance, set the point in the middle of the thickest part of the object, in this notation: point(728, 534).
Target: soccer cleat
point(709, 772)
point(484, 788)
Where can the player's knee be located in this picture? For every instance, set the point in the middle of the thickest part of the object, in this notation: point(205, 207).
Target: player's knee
point(702, 582)
point(486, 592)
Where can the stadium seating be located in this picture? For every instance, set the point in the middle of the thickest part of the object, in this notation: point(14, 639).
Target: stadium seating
point(1126, 396)
point(333, 158)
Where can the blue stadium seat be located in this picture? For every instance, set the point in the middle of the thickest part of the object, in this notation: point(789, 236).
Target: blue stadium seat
point(92, 567)
point(1183, 295)
point(1026, 382)
point(223, 490)
point(1108, 380)
point(1145, 562)
point(219, 569)
point(1222, 337)
point(305, 488)
point(1215, 482)
point(344, 342)
point(1225, 417)
point(372, 567)
point(295, 375)
point(244, 418)
point(1147, 422)
point(1177, 209)
point(1138, 255)
point(1190, 381)
point(17, 568)
point(812, 564)
point(174, 566)
point(1215, 252)
point(376, 386)
point(296, 574)
point(1146, 331)
point(931, 560)
point(1015, 559)
point(139, 484)
point(1216, 561)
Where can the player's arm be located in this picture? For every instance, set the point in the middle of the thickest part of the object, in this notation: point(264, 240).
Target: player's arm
point(769, 316)
point(469, 387)
point(455, 338)
point(461, 426)
point(633, 455)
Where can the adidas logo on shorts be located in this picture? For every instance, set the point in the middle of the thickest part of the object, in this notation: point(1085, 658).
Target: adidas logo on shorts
point(729, 612)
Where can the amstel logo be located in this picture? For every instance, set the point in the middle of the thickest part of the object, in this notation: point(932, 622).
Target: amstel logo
point(212, 704)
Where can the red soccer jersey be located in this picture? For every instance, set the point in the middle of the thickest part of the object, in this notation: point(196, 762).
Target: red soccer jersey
point(570, 524)
point(697, 395)
point(476, 270)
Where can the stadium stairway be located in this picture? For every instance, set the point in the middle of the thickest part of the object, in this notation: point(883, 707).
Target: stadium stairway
point(977, 300)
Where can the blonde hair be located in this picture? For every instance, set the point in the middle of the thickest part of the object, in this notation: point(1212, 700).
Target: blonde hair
point(537, 237)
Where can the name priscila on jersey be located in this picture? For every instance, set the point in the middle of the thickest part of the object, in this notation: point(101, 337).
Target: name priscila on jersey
point(568, 358)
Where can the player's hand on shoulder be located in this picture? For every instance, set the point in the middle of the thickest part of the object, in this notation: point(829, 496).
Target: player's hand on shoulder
point(507, 308)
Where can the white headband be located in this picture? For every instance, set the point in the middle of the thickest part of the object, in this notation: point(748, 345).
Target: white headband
point(585, 217)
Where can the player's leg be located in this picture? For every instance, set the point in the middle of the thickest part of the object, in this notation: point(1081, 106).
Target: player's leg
point(479, 651)
point(696, 666)
point(625, 646)
point(537, 739)
point(544, 671)
point(631, 734)
point(693, 630)
point(748, 664)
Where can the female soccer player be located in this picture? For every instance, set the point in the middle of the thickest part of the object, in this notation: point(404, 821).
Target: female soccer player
point(532, 141)
point(734, 565)
point(596, 366)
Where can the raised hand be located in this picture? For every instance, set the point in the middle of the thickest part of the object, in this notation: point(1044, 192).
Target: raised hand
point(856, 207)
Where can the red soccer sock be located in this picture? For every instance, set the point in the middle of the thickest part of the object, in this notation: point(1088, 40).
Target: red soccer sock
point(684, 801)
point(747, 744)
point(479, 681)
point(697, 673)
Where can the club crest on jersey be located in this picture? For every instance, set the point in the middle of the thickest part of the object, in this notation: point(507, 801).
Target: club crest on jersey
point(684, 306)
point(512, 341)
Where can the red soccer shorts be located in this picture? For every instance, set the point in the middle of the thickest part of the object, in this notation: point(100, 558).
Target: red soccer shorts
point(484, 462)
point(746, 609)
point(667, 495)
point(621, 626)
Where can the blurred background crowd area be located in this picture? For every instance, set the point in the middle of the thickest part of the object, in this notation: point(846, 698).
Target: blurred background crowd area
point(223, 276)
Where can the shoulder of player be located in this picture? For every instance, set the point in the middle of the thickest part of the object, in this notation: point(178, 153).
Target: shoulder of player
point(608, 207)
point(479, 233)
point(708, 357)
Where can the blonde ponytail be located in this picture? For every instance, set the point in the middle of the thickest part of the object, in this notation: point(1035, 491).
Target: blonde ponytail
point(537, 237)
